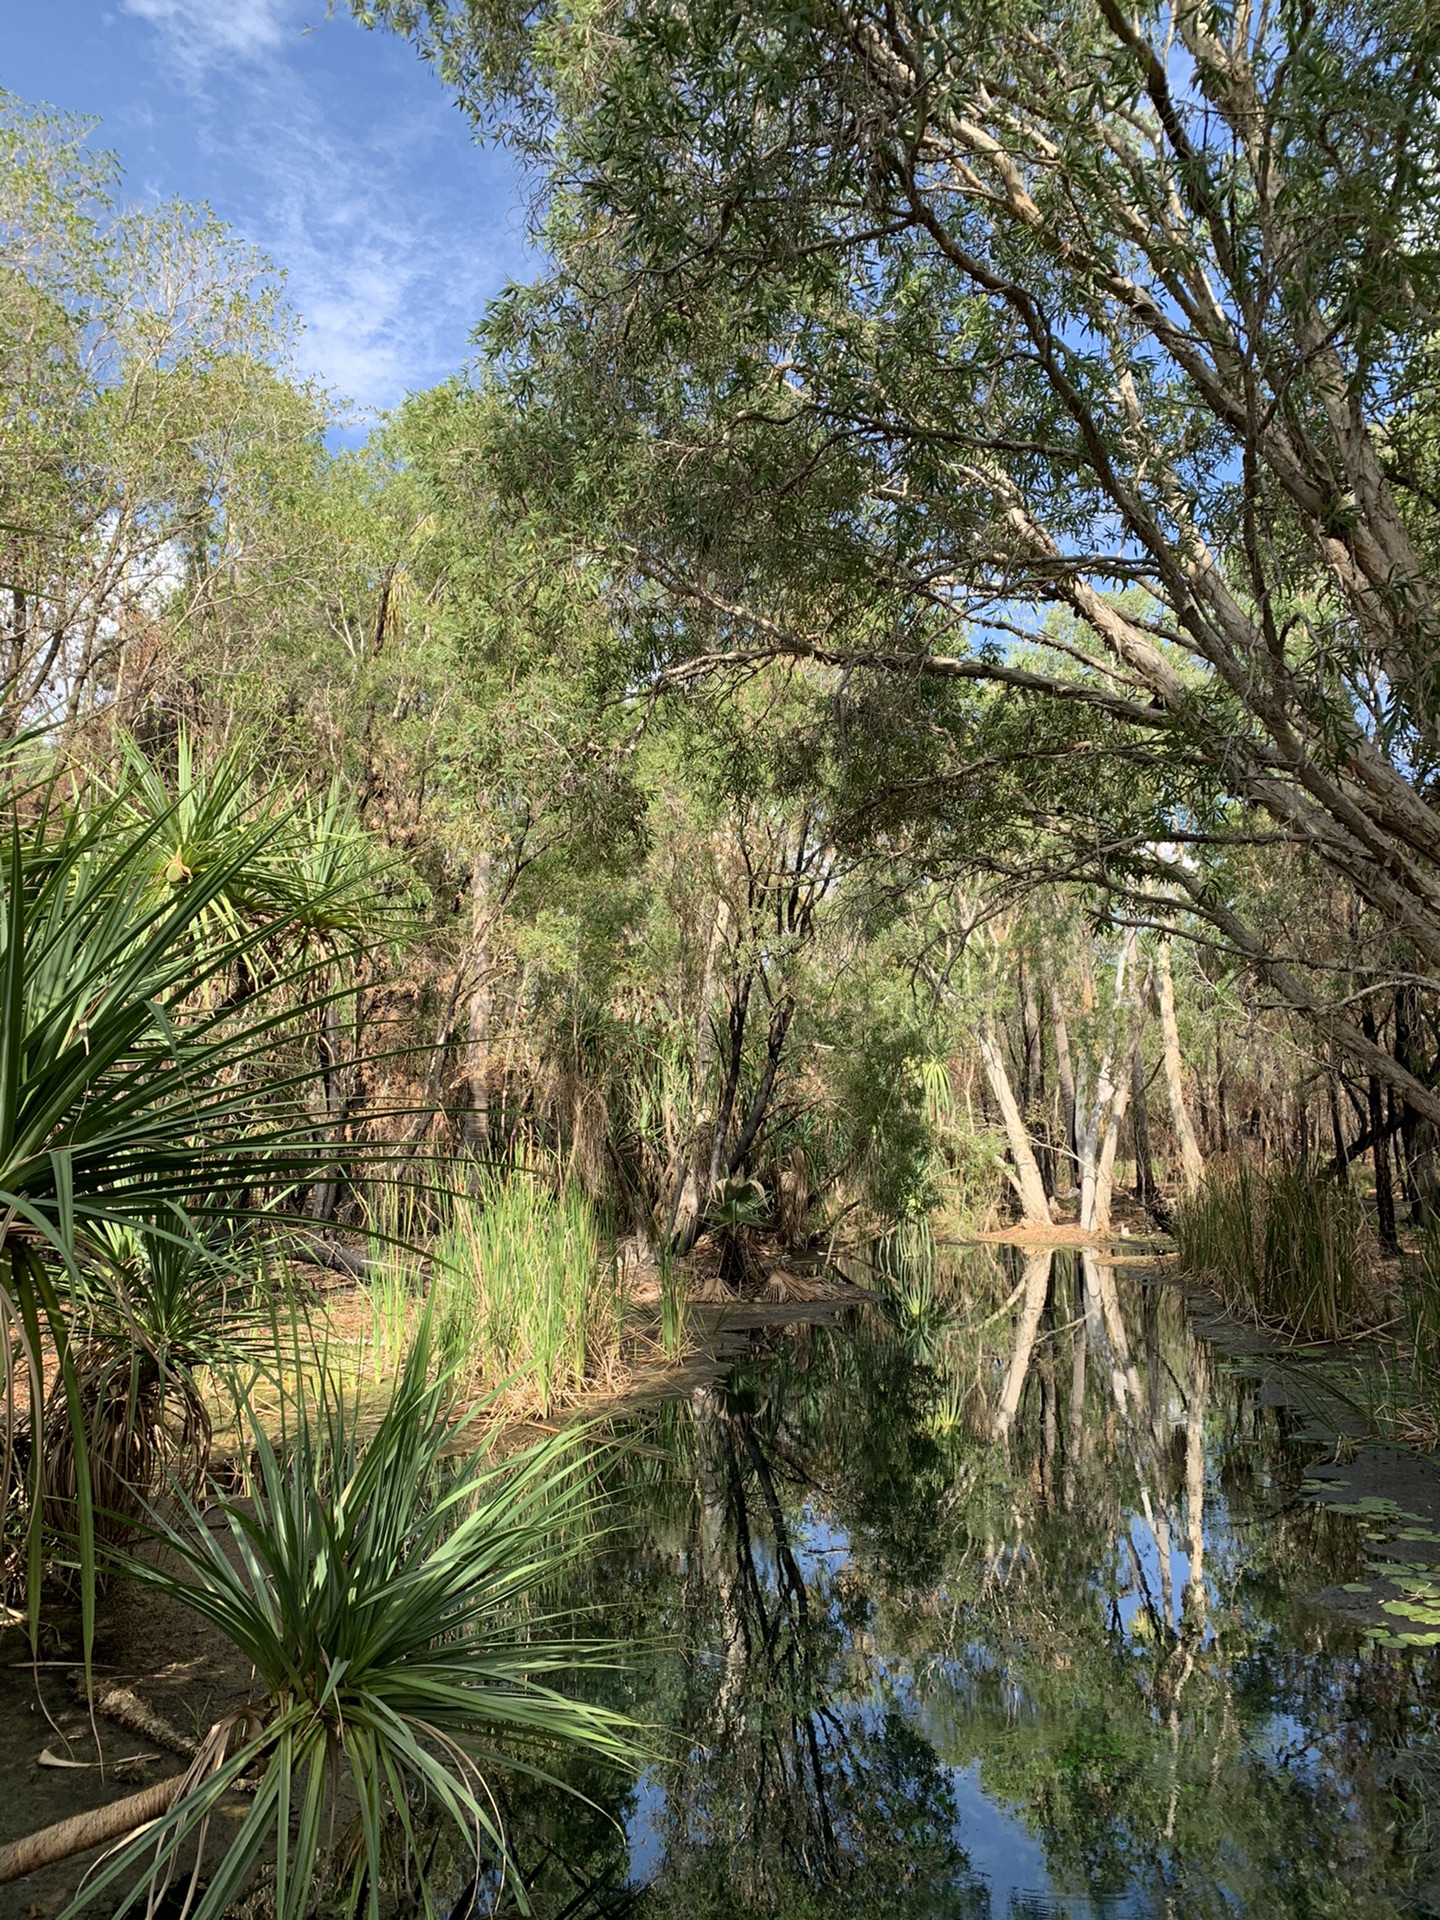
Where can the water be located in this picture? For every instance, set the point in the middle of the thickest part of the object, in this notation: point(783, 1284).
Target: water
point(898, 1666)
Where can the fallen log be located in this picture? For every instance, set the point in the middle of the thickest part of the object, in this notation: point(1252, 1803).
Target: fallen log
point(128, 1711)
point(82, 1831)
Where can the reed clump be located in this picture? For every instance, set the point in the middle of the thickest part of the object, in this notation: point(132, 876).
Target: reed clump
point(521, 1288)
point(1418, 1417)
point(1284, 1246)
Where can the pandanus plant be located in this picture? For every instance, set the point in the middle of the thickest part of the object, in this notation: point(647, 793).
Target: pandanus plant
point(134, 1077)
point(163, 1315)
point(394, 1596)
point(391, 1614)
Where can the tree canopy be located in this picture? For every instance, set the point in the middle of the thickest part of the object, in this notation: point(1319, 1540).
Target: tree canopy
point(1076, 354)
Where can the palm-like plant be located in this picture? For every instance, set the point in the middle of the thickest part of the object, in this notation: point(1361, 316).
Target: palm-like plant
point(316, 876)
point(740, 1208)
point(162, 1312)
point(393, 1610)
point(132, 1076)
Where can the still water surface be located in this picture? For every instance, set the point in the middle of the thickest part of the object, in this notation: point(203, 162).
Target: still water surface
point(943, 1618)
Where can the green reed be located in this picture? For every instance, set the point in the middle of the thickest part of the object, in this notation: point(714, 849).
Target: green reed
point(518, 1284)
point(391, 1286)
point(1285, 1245)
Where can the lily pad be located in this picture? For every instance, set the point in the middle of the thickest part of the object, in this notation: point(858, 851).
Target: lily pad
point(1425, 1611)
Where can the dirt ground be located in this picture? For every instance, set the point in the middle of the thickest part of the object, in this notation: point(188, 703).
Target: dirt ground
point(184, 1673)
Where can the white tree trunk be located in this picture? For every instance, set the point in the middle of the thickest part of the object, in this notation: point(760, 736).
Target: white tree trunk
point(1026, 1177)
point(1119, 1107)
point(1106, 1325)
point(1037, 1287)
point(1099, 1129)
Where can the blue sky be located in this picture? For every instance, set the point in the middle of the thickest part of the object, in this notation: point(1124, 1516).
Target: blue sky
point(333, 149)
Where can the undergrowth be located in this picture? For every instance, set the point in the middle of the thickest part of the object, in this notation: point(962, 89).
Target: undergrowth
point(1284, 1246)
point(521, 1292)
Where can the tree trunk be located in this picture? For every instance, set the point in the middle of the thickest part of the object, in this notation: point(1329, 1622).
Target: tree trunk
point(1192, 1162)
point(1195, 1596)
point(1145, 1190)
point(1075, 1424)
point(333, 1107)
point(1107, 1330)
point(1037, 1288)
point(1380, 1150)
point(735, 1061)
point(1026, 1177)
point(1380, 1154)
point(1337, 1130)
point(1103, 1186)
point(82, 1831)
point(1407, 1002)
point(1065, 1073)
point(780, 1018)
point(686, 1198)
point(1100, 1135)
point(1035, 1100)
point(715, 1151)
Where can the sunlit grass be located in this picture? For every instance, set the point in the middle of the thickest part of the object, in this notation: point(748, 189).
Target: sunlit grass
point(520, 1286)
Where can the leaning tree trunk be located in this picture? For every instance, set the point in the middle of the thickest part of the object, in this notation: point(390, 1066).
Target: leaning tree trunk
point(1037, 1288)
point(1026, 1177)
point(84, 1831)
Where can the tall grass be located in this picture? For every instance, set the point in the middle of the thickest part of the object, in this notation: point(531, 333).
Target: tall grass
point(392, 1287)
point(1285, 1246)
point(520, 1288)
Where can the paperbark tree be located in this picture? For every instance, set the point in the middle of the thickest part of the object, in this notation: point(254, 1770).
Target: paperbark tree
point(1123, 319)
point(1026, 1179)
point(1036, 1285)
point(1192, 1162)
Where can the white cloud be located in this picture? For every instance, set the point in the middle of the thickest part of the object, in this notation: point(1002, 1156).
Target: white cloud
point(342, 158)
point(389, 258)
point(203, 31)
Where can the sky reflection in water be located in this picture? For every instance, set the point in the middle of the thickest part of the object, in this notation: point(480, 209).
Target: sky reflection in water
point(911, 1668)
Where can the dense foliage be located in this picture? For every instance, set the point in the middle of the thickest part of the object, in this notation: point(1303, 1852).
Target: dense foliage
point(899, 690)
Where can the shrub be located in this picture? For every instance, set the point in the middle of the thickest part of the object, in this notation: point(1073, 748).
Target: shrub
point(391, 1603)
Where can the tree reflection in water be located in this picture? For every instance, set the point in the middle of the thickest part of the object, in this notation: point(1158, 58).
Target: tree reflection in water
point(958, 1611)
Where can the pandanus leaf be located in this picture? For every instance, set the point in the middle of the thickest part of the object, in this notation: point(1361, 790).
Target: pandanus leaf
point(396, 1609)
